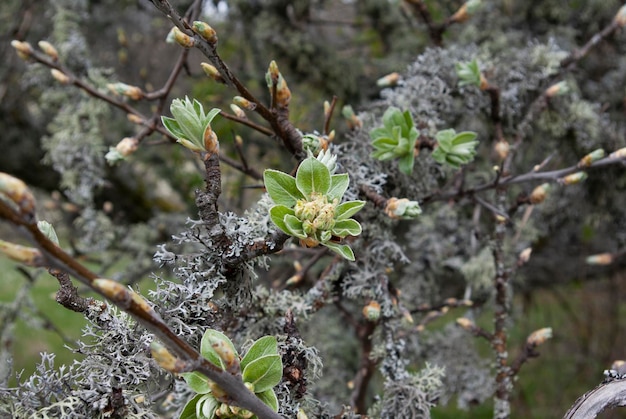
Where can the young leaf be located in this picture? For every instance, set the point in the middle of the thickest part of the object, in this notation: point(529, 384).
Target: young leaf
point(406, 164)
point(210, 338)
point(172, 126)
point(269, 398)
point(344, 228)
point(342, 249)
point(294, 226)
point(281, 187)
point(206, 407)
point(348, 209)
point(338, 185)
point(264, 346)
point(277, 215)
point(313, 177)
point(197, 382)
point(189, 411)
point(264, 372)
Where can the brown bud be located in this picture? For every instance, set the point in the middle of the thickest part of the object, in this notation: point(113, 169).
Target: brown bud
point(18, 194)
point(60, 76)
point(538, 337)
point(28, 256)
point(538, 195)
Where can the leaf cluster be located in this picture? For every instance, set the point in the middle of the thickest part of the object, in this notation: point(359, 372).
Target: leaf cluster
point(455, 149)
point(396, 139)
point(261, 368)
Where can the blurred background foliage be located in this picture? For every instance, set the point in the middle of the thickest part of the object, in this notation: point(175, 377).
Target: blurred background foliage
point(55, 138)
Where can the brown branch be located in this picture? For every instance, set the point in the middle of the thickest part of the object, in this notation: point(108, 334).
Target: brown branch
point(56, 258)
point(578, 54)
point(67, 295)
point(367, 367)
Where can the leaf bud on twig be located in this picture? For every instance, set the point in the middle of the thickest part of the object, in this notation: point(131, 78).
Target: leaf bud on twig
point(24, 49)
point(60, 76)
point(620, 17)
point(28, 256)
point(48, 231)
point(18, 195)
point(212, 72)
point(390, 80)
point(205, 31)
point(244, 103)
point(181, 38)
point(618, 154)
point(402, 209)
point(538, 195)
point(592, 157)
point(557, 89)
point(574, 178)
point(353, 121)
point(132, 92)
point(600, 259)
point(239, 113)
point(502, 148)
point(465, 323)
point(49, 50)
point(372, 311)
point(165, 359)
point(539, 337)
point(466, 11)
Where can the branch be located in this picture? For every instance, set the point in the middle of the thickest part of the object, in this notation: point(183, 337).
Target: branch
point(55, 258)
point(605, 396)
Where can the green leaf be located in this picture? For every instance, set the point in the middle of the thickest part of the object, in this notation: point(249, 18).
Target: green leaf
point(212, 114)
point(197, 382)
point(294, 226)
point(406, 164)
point(209, 338)
point(281, 187)
point(342, 249)
point(348, 209)
point(312, 177)
point(464, 137)
point(206, 407)
point(385, 143)
point(264, 372)
point(338, 185)
point(439, 155)
point(172, 126)
point(379, 132)
point(269, 398)
point(345, 228)
point(277, 215)
point(189, 411)
point(264, 346)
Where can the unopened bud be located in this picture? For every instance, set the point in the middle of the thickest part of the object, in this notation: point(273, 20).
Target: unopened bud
point(327, 109)
point(127, 90)
point(113, 290)
point(538, 337)
point(618, 154)
point(24, 49)
point(465, 323)
point(295, 279)
point(239, 113)
point(557, 89)
point(301, 414)
point(238, 140)
point(28, 256)
point(211, 144)
point(574, 178)
point(204, 30)
point(283, 94)
point(402, 209)
point(524, 256)
point(127, 146)
point(60, 76)
point(620, 17)
point(389, 80)
point(407, 317)
point(226, 354)
point(49, 50)
point(466, 11)
point(353, 121)
point(538, 195)
point(135, 119)
point(18, 195)
point(272, 74)
point(212, 71)
point(165, 359)
point(592, 157)
point(502, 148)
point(600, 259)
point(244, 103)
point(181, 38)
point(372, 311)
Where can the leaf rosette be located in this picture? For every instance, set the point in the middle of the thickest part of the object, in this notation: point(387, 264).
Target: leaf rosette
point(396, 139)
point(455, 149)
point(308, 205)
